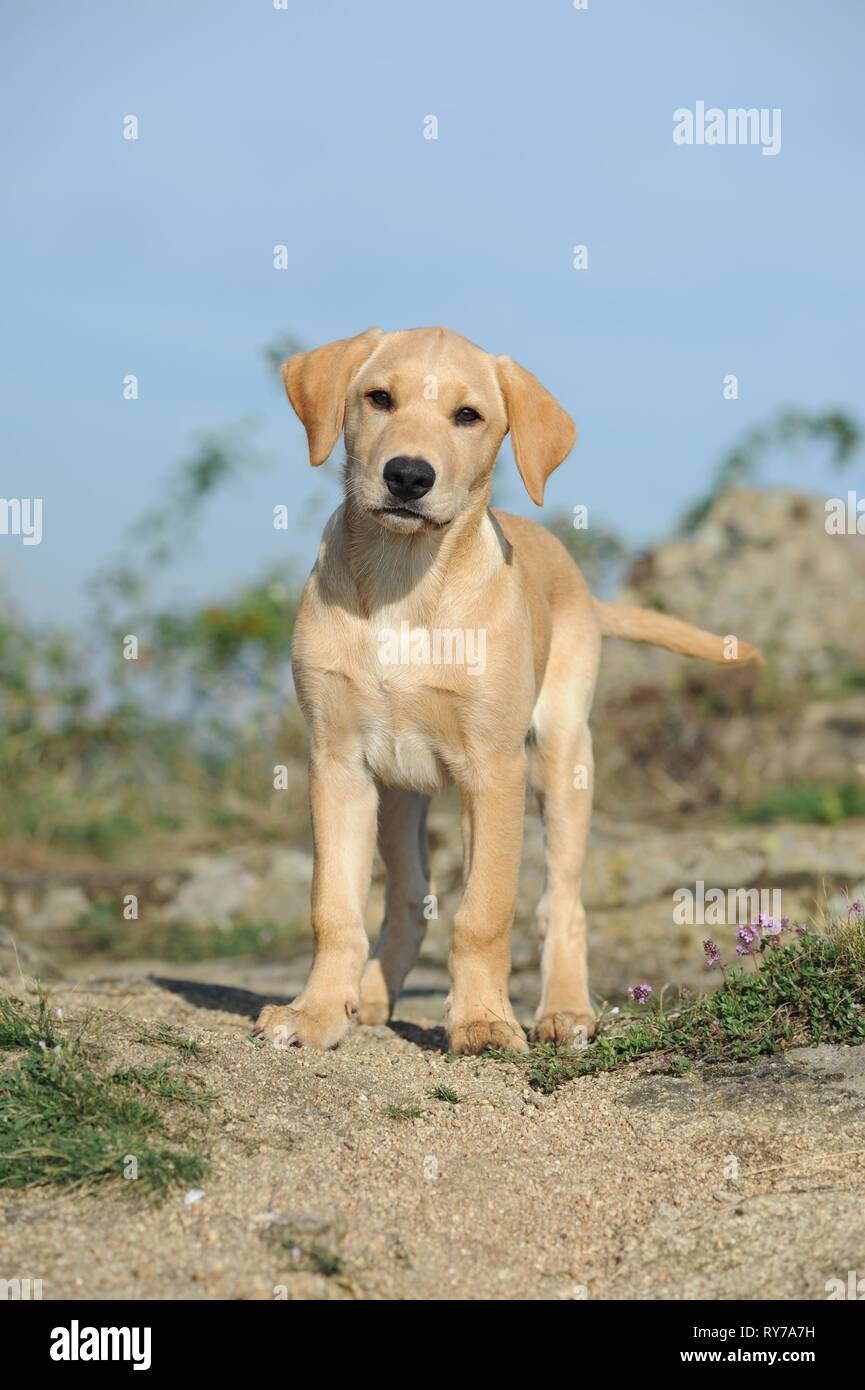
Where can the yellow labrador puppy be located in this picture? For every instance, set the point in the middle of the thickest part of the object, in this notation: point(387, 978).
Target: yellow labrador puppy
point(441, 642)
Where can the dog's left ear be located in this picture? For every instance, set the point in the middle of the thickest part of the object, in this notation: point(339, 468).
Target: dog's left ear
point(317, 382)
point(543, 434)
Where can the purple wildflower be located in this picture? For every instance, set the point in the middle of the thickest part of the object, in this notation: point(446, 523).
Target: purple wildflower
point(855, 908)
point(746, 933)
point(713, 955)
point(772, 926)
point(639, 993)
point(743, 951)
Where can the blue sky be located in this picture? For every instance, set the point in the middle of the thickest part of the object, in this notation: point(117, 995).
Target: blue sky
point(304, 127)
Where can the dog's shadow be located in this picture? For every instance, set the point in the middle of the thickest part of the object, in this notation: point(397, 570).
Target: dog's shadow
point(432, 1038)
point(227, 999)
point(247, 1003)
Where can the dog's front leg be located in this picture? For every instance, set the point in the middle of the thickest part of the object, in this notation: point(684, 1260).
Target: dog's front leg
point(344, 803)
point(479, 1013)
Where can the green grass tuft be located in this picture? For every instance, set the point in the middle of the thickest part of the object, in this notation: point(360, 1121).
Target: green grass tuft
point(442, 1092)
point(803, 994)
point(164, 1035)
point(23, 1026)
point(324, 1261)
point(65, 1121)
point(160, 1081)
point(402, 1112)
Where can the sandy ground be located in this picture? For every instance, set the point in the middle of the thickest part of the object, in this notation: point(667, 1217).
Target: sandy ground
point(616, 1187)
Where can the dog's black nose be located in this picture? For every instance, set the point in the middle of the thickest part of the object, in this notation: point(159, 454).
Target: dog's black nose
point(408, 479)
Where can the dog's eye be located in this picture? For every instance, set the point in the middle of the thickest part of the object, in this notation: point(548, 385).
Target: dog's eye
point(382, 400)
point(466, 416)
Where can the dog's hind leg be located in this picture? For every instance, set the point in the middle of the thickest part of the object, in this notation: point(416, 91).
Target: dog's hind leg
point(561, 771)
point(566, 804)
point(402, 845)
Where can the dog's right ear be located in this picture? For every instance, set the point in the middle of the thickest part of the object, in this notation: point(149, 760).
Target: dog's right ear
point(317, 383)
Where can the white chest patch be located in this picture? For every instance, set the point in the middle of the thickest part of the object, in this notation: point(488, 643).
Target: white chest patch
point(403, 758)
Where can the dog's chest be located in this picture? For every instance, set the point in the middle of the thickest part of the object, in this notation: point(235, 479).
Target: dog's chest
point(409, 715)
point(402, 755)
point(404, 699)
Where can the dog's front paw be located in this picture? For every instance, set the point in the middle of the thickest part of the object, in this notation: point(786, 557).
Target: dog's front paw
point(304, 1023)
point(481, 1034)
point(564, 1027)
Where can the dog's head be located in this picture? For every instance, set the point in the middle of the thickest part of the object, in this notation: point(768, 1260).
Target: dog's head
point(424, 413)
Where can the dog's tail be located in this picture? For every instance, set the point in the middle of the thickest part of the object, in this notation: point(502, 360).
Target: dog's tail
point(645, 625)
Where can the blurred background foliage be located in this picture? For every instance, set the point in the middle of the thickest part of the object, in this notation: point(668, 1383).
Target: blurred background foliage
point(789, 431)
